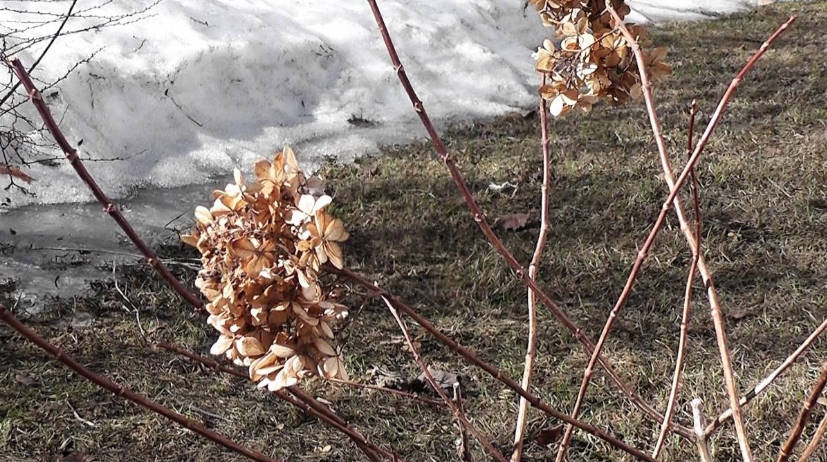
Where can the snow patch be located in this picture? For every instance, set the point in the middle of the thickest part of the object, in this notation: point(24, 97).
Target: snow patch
point(201, 86)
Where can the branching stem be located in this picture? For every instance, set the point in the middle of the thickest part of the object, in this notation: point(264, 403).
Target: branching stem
point(482, 223)
point(803, 416)
point(687, 300)
point(497, 374)
point(455, 409)
point(531, 349)
point(109, 207)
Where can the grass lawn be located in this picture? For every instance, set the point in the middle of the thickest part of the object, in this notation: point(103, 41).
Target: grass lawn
point(764, 198)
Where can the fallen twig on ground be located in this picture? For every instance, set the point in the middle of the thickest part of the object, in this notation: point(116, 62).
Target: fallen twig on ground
point(462, 420)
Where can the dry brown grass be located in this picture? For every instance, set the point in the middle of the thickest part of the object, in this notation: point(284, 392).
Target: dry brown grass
point(763, 195)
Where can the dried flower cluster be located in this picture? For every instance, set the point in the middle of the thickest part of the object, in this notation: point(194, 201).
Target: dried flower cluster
point(593, 60)
point(263, 244)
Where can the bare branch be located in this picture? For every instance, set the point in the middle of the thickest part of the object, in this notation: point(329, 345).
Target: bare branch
point(700, 437)
point(687, 300)
point(764, 384)
point(455, 409)
point(673, 200)
point(497, 374)
point(296, 397)
point(811, 448)
point(479, 218)
point(109, 207)
point(531, 349)
point(121, 391)
point(43, 53)
point(803, 416)
point(404, 394)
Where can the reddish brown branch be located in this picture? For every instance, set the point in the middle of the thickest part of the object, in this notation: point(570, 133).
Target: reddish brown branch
point(112, 209)
point(479, 218)
point(811, 448)
point(764, 384)
point(109, 207)
point(121, 391)
point(687, 299)
point(463, 451)
point(327, 415)
point(15, 172)
point(528, 368)
point(803, 416)
point(426, 372)
point(673, 200)
point(296, 397)
point(401, 393)
point(497, 374)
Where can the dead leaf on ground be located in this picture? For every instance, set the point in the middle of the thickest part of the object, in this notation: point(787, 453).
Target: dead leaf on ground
point(549, 435)
point(74, 457)
point(444, 379)
point(11, 170)
point(512, 221)
point(24, 379)
point(383, 377)
point(738, 314)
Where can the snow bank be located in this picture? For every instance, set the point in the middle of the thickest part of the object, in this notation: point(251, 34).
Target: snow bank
point(201, 86)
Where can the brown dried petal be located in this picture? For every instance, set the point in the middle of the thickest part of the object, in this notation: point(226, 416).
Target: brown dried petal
point(249, 346)
point(221, 345)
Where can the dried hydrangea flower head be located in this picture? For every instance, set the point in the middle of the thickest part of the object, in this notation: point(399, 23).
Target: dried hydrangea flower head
point(593, 60)
point(263, 243)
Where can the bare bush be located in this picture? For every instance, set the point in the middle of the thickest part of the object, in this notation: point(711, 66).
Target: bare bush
point(32, 27)
point(632, 71)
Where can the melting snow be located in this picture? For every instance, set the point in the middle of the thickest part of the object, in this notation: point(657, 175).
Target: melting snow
point(201, 86)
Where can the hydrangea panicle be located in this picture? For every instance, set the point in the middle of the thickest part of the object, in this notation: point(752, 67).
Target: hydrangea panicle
point(263, 243)
point(593, 61)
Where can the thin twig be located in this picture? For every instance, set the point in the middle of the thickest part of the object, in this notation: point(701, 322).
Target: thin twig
point(764, 384)
point(811, 448)
point(803, 416)
point(700, 437)
point(119, 390)
point(463, 451)
point(531, 349)
point(327, 415)
point(482, 223)
point(404, 394)
point(304, 402)
point(109, 207)
point(42, 53)
point(458, 413)
point(687, 299)
point(674, 186)
point(496, 373)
